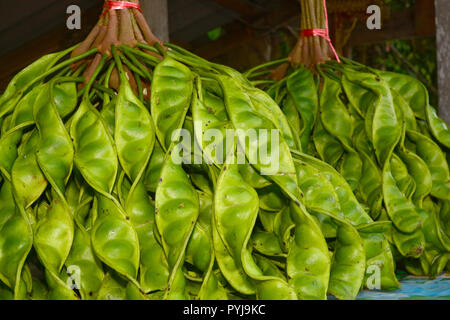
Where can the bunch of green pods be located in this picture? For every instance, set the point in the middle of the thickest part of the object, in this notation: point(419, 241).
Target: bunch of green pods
point(106, 194)
point(378, 130)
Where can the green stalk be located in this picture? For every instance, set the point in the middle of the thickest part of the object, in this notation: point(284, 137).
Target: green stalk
point(131, 66)
point(119, 64)
point(160, 49)
point(62, 65)
point(136, 62)
point(103, 89)
point(147, 47)
point(108, 74)
point(63, 72)
point(152, 60)
point(80, 70)
point(106, 96)
point(249, 73)
point(99, 68)
point(68, 79)
point(139, 85)
point(258, 82)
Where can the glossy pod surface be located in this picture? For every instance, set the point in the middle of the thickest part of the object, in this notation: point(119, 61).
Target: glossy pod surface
point(330, 182)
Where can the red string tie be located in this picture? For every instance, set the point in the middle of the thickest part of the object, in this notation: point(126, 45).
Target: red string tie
point(324, 33)
point(120, 5)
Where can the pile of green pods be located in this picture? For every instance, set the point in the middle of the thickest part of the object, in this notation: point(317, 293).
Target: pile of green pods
point(93, 204)
point(378, 130)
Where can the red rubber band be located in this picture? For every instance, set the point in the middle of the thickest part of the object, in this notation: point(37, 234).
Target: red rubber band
point(120, 5)
point(324, 33)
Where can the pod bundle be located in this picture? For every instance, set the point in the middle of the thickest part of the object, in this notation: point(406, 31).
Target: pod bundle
point(94, 204)
point(378, 130)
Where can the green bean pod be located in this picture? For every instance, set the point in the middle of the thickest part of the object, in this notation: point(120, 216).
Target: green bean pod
point(134, 293)
point(334, 114)
point(328, 147)
point(319, 193)
point(245, 119)
point(53, 238)
point(85, 265)
point(235, 211)
point(200, 252)
point(386, 129)
point(266, 243)
point(95, 154)
point(282, 227)
point(210, 130)
point(9, 150)
point(200, 247)
point(134, 131)
point(399, 102)
point(308, 261)
point(405, 182)
point(380, 264)
point(108, 114)
point(231, 270)
point(419, 171)
point(112, 288)
point(27, 178)
point(23, 112)
point(370, 184)
point(59, 288)
point(435, 236)
point(409, 244)
point(348, 264)
point(171, 94)
point(444, 216)
point(438, 127)
point(412, 91)
point(303, 91)
point(154, 168)
point(154, 272)
point(350, 168)
point(55, 152)
point(292, 115)
point(435, 159)
point(267, 107)
point(351, 208)
point(64, 95)
point(26, 78)
point(252, 177)
point(114, 239)
point(15, 240)
point(361, 99)
point(271, 198)
point(177, 210)
point(400, 209)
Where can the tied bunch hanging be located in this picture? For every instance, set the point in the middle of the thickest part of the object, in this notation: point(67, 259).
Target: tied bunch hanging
point(95, 205)
point(379, 131)
point(120, 180)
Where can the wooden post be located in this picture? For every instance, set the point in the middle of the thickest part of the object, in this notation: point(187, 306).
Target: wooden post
point(443, 56)
point(157, 14)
